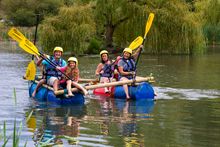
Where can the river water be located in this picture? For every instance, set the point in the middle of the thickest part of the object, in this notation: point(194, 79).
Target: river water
point(186, 112)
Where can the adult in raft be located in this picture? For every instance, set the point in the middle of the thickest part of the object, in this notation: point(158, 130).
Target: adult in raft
point(104, 69)
point(126, 67)
point(52, 75)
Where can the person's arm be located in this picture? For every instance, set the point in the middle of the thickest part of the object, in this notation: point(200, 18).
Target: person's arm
point(76, 75)
point(62, 69)
point(98, 69)
point(40, 59)
point(135, 55)
point(121, 70)
point(124, 73)
point(64, 63)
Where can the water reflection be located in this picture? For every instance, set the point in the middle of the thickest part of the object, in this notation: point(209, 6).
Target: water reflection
point(131, 113)
point(97, 127)
point(53, 125)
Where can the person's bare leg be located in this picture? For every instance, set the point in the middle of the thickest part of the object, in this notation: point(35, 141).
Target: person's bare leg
point(105, 80)
point(55, 84)
point(41, 82)
point(85, 92)
point(68, 86)
point(126, 88)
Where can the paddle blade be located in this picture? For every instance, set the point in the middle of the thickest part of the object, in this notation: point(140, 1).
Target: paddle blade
point(31, 71)
point(29, 47)
point(149, 23)
point(16, 34)
point(136, 43)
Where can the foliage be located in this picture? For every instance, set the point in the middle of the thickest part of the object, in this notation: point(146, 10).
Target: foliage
point(176, 30)
point(15, 135)
point(179, 27)
point(110, 15)
point(72, 29)
point(212, 20)
point(94, 46)
point(23, 12)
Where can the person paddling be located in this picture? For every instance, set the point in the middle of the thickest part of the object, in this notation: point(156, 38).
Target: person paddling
point(72, 71)
point(126, 67)
point(104, 69)
point(52, 75)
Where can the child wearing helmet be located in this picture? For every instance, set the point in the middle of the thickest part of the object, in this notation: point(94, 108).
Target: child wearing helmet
point(126, 67)
point(72, 71)
point(104, 69)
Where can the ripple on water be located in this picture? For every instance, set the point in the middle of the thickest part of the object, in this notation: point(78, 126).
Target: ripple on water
point(190, 94)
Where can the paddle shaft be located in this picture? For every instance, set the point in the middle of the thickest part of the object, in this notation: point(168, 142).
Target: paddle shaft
point(18, 36)
point(35, 34)
point(138, 57)
point(36, 28)
point(102, 85)
point(54, 65)
point(50, 62)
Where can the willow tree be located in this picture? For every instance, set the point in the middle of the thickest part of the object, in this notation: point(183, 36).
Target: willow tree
point(176, 29)
point(212, 21)
point(72, 29)
point(111, 14)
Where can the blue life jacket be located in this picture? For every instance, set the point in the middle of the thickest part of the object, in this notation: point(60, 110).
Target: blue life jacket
point(51, 71)
point(128, 67)
point(107, 68)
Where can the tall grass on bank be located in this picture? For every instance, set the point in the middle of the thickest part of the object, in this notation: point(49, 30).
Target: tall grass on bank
point(15, 97)
point(15, 136)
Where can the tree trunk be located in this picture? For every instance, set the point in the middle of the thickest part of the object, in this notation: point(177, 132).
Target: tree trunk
point(109, 35)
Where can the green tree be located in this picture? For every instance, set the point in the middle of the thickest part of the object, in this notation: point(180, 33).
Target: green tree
point(176, 29)
point(22, 13)
point(212, 21)
point(72, 29)
point(110, 14)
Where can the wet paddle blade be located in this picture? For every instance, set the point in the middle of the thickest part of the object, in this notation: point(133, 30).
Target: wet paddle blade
point(16, 34)
point(148, 24)
point(31, 71)
point(136, 43)
point(29, 47)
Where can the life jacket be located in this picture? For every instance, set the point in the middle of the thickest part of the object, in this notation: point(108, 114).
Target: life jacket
point(51, 71)
point(73, 73)
point(128, 67)
point(107, 68)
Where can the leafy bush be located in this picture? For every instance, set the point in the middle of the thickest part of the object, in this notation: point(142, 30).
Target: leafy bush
point(94, 46)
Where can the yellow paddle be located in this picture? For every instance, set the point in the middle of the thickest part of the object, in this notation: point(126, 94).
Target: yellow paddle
point(15, 34)
point(19, 37)
point(149, 23)
point(136, 43)
point(147, 28)
point(30, 71)
point(139, 40)
point(30, 48)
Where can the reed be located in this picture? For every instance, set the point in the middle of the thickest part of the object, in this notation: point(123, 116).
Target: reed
point(15, 96)
point(15, 135)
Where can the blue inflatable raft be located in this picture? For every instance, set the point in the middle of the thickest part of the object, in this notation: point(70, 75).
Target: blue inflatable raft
point(143, 90)
point(44, 94)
